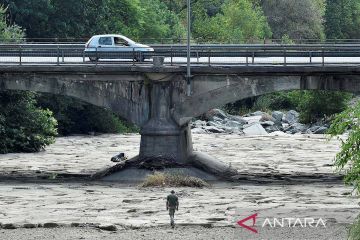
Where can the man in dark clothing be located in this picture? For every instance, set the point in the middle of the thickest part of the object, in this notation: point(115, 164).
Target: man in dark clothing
point(172, 204)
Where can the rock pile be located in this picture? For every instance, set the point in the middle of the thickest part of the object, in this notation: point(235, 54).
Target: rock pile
point(257, 123)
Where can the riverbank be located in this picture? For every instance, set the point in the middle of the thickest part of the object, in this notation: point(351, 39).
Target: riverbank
point(283, 176)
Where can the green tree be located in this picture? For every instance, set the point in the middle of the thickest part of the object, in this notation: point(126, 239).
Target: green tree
point(24, 127)
point(348, 159)
point(342, 19)
point(296, 19)
point(233, 21)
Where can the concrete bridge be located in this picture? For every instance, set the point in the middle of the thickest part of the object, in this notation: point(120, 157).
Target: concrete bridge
point(154, 98)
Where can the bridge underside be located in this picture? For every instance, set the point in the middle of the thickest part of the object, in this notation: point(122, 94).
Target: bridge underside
point(155, 100)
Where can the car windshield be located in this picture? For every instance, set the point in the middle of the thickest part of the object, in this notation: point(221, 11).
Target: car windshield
point(128, 40)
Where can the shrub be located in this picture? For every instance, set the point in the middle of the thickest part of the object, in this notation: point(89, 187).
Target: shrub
point(159, 179)
point(348, 159)
point(354, 232)
point(23, 126)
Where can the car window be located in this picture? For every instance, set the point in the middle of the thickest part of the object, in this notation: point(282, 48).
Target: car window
point(105, 41)
point(120, 42)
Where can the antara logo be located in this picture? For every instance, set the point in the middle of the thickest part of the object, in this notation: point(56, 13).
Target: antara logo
point(242, 223)
point(280, 222)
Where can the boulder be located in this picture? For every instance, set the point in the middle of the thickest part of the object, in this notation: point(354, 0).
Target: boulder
point(321, 130)
point(254, 129)
point(213, 129)
point(271, 129)
point(253, 119)
point(278, 116)
point(257, 113)
point(291, 117)
point(238, 119)
point(215, 113)
point(234, 124)
point(296, 128)
point(266, 117)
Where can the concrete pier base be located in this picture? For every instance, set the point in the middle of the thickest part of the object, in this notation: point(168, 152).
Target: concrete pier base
point(161, 136)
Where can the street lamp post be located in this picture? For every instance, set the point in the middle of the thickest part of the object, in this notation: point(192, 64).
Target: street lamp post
point(188, 74)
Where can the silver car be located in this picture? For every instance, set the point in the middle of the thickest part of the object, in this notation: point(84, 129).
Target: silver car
point(112, 46)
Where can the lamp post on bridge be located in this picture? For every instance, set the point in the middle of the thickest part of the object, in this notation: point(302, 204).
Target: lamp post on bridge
point(188, 67)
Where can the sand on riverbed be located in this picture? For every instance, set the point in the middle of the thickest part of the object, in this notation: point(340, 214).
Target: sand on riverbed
point(308, 187)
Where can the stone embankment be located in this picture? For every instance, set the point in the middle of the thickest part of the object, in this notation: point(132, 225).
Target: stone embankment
point(257, 123)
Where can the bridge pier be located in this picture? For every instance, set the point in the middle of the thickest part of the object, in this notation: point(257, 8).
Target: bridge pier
point(161, 137)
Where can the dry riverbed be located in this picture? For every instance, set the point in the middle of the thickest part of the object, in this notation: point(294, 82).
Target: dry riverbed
point(284, 176)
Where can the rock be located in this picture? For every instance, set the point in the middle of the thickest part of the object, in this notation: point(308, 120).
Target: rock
point(278, 133)
point(198, 131)
point(254, 129)
point(198, 124)
point(267, 123)
point(108, 227)
point(234, 124)
point(253, 119)
point(321, 130)
point(312, 129)
point(213, 129)
point(50, 225)
point(214, 124)
point(266, 117)
point(272, 128)
point(291, 117)
point(30, 225)
point(257, 113)
point(238, 119)
point(215, 113)
point(278, 116)
point(9, 226)
point(296, 128)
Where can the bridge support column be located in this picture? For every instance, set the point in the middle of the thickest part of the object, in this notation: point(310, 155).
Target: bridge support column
point(161, 136)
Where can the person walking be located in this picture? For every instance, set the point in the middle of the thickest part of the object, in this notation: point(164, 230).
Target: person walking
point(172, 205)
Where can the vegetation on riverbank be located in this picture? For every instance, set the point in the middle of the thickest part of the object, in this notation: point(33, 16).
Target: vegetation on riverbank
point(159, 179)
point(312, 105)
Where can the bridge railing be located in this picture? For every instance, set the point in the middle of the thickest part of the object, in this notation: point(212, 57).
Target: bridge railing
point(209, 54)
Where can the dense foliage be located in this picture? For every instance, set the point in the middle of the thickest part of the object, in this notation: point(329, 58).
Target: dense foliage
point(343, 19)
point(137, 19)
point(295, 19)
point(312, 105)
point(348, 159)
point(23, 126)
point(75, 117)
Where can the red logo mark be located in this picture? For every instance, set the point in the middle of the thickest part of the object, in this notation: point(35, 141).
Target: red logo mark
point(253, 217)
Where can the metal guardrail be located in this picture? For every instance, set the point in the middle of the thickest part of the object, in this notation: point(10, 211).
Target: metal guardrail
point(210, 54)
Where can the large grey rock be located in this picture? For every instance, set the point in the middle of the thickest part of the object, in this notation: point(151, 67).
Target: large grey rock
point(234, 124)
point(253, 119)
point(296, 128)
point(215, 113)
point(254, 129)
point(291, 117)
point(213, 129)
point(238, 119)
point(273, 128)
point(321, 130)
point(278, 116)
point(257, 113)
